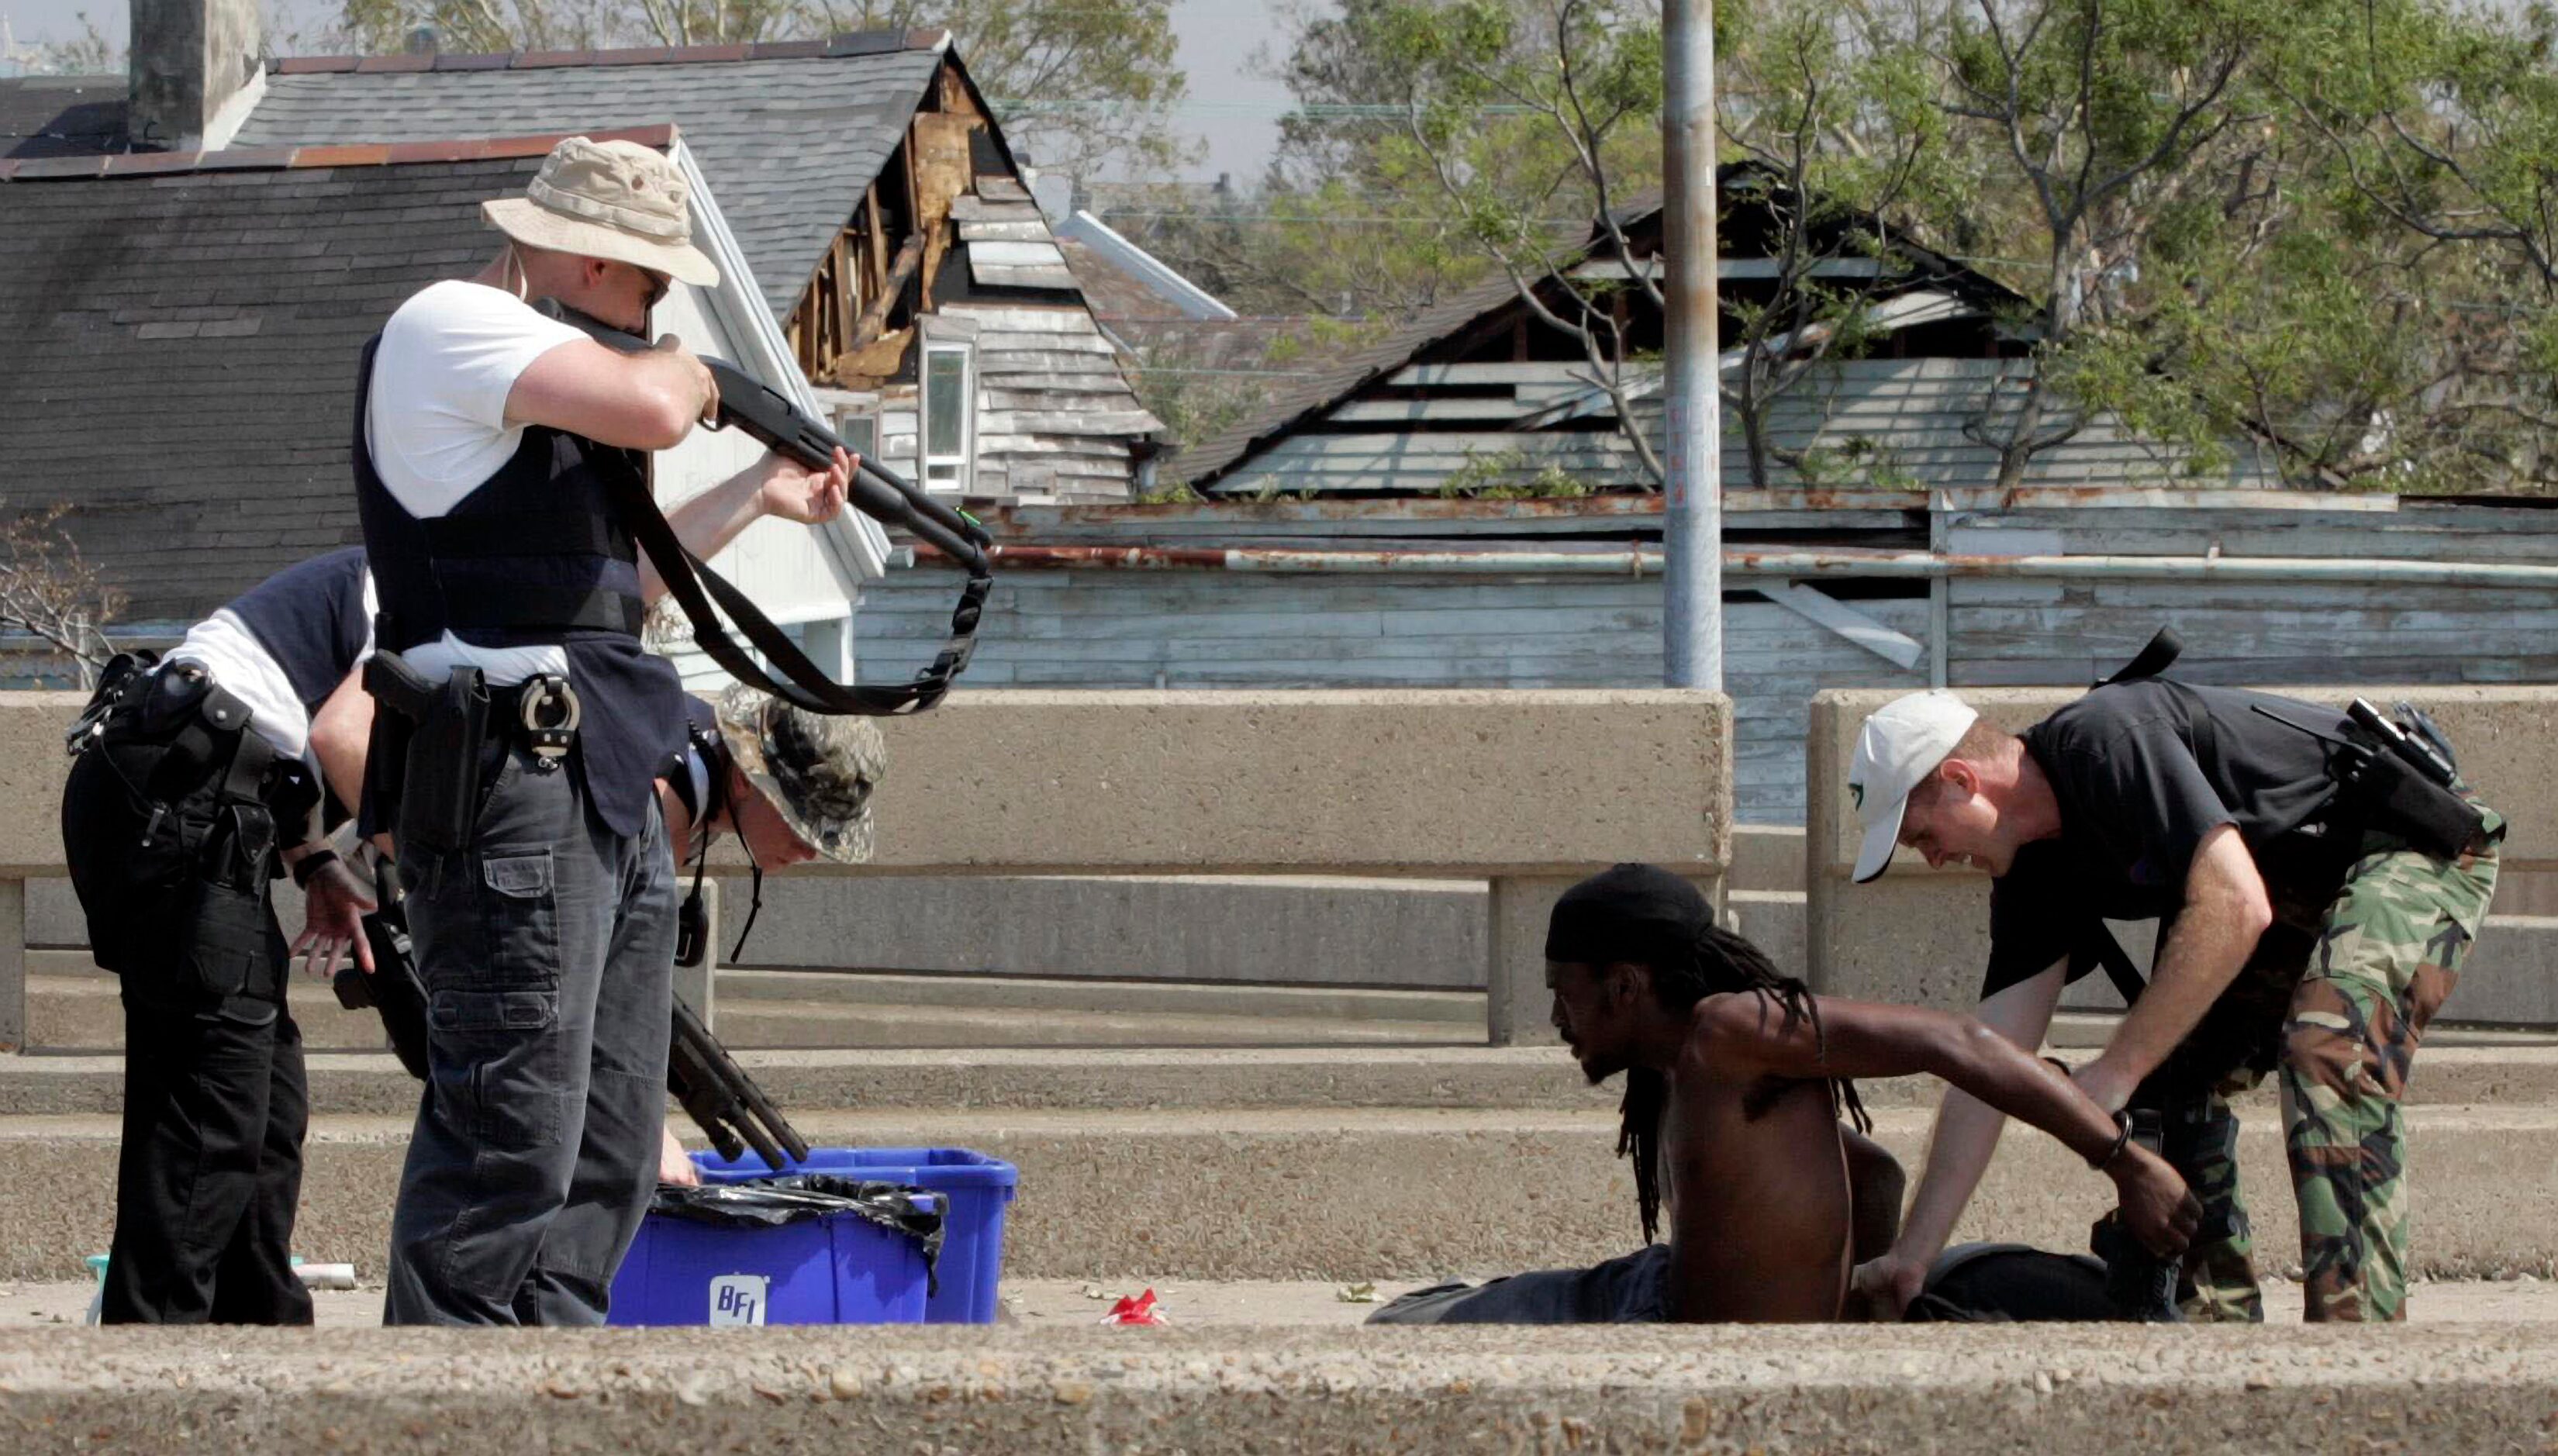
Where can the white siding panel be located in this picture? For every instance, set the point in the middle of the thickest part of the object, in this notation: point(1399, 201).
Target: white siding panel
point(780, 565)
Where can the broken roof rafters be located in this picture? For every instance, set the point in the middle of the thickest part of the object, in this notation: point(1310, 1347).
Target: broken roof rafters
point(1488, 306)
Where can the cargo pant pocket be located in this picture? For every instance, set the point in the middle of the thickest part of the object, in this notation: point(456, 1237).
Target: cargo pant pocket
point(505, 906)
point(499, 1062)
point(230, 941)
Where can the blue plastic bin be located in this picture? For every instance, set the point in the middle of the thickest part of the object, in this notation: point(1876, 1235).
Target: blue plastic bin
point(975, 1190)
point(837, 1269)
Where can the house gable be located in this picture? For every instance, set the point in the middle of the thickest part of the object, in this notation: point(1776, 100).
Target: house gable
point(1480, 394)
point(884, 215)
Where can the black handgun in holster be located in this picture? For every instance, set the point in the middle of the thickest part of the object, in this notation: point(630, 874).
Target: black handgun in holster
point(724, 1101)
point(2141, 1286)
point(425, 766)
point(393, 989)
point(2396, 782)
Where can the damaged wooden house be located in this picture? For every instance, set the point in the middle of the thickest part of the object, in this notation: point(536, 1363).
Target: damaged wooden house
point(1853, 357)
point(1455, 507)
point(886, 221)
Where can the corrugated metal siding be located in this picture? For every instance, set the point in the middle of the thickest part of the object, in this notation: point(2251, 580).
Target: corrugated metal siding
point(1201, 628)
point(1105, 628)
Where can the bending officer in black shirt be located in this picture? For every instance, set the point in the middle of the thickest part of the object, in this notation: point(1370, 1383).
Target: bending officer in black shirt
point(2300, 934)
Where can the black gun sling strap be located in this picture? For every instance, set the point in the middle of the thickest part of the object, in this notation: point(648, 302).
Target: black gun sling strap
point(2148, 664)
point(695, 587)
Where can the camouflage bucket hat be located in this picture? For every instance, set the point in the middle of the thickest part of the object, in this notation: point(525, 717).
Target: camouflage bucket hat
point(817, 771)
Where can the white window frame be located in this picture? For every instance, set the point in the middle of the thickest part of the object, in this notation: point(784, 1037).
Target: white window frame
point(854, 421)
point(962, 466)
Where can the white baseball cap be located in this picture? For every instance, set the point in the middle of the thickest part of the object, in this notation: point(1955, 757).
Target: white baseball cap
point(1901, 744)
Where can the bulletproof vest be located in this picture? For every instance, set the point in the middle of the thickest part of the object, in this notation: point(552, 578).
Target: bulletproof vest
point(310, 619)
point(534, 556)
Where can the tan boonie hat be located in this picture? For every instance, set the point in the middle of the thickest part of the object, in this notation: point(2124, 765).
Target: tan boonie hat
point(614, 199)
point(818, 772)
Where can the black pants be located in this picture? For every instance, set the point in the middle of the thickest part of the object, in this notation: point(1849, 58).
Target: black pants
point(214, 1103)
point(210, 1169)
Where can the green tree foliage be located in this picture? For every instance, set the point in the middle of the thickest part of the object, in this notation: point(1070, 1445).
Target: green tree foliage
point(2441, 131)
point(2320, 237)
point(1082, 84)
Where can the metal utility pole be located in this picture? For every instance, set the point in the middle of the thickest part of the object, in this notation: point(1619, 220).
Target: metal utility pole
point(1692, 518)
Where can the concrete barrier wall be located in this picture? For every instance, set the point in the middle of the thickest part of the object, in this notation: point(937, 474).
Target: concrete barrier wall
point(1386, 782)
point(1524, 790)
point(1841, 1390)
point(1321, 929)
point(1923, 935)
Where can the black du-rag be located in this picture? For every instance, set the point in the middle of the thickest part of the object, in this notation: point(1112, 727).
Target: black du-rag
point(1638, 913)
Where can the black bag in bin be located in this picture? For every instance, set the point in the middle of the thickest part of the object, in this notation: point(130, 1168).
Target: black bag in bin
point(770, 1202)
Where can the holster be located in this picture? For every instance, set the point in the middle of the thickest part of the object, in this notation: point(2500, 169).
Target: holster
point(2378, 789)
point(436, 770)
point(169, 829)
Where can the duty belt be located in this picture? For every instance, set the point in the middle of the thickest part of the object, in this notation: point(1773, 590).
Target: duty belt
point(544, 708)
point(181, 704)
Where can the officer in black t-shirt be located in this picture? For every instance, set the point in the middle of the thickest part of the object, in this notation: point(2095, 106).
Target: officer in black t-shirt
point(2298, 935)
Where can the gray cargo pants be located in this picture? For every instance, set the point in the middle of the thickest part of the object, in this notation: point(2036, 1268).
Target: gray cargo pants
point(547, 950)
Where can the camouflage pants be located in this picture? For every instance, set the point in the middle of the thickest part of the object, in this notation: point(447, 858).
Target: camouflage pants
point(2388, 953)
point(2202, 1141)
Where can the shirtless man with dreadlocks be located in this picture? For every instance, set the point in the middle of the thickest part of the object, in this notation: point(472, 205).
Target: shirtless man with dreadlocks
point(1737, 1078)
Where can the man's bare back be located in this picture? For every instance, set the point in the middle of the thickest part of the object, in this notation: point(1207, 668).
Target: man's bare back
point(1763, 1213)
point(1761, 1203)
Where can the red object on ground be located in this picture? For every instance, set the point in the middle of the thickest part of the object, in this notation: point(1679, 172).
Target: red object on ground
point(1135, 1309)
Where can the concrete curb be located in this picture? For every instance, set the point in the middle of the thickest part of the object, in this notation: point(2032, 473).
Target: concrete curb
point(1882, 1388)
point(1102, 1078)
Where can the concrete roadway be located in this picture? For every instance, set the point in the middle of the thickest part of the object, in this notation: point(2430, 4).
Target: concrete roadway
point(1275, 1303)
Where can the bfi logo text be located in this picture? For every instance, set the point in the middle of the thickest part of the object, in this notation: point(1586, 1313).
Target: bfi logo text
point(739, 1299)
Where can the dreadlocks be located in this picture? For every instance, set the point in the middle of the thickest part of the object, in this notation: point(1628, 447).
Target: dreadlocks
point(1720, 961)
point(1644, 915)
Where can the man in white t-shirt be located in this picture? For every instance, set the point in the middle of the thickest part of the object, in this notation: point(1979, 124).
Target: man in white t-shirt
point(495, 453)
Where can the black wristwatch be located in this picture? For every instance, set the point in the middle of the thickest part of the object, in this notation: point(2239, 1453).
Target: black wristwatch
point(311, 864)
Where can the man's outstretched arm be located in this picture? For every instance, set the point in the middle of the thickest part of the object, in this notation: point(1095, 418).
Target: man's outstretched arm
point(1958, 1149)
point(774, 486)
point(1744, 1035)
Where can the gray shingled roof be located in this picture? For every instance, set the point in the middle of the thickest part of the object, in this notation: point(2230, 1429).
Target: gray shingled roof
point(1288, 407)
point(788, 144)
point(61, 115)
point(181, 350)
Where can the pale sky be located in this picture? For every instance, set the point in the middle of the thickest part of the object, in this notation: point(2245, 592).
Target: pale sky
point(1236, 112)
